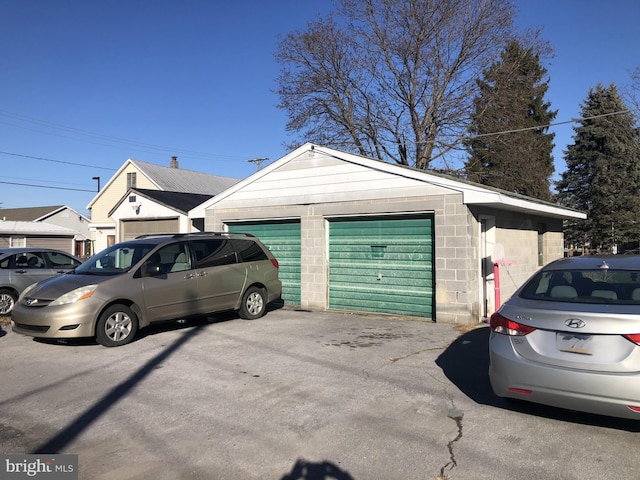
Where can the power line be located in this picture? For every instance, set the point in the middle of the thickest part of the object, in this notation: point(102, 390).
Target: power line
point(112, 139)
point(57, 161)
point(46, 186)
point(573, 120)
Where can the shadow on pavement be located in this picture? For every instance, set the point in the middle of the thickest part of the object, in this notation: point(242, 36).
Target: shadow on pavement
point(466, 364)
point(72, 431)
point(304, 470)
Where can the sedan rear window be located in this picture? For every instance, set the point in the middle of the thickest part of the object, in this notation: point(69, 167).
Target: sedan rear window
point(585, 286)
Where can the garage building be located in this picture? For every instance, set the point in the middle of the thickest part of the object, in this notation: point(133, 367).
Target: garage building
point(357, 234)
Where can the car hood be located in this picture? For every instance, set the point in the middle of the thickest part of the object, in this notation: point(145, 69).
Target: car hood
point(54, 287)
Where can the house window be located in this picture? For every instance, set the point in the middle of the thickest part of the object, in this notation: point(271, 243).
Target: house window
point(132, 199)
point(17, 241)
point(131, 180)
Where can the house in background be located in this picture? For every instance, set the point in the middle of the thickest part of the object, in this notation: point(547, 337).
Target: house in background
point(22, 233)
point(141, 211)
point(356, 234)
point(36, 234)
point(133, 216)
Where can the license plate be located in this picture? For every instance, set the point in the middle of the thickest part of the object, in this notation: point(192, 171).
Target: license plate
point(574, 343)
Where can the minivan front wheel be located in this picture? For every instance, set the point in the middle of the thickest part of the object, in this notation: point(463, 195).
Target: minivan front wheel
point(254, 303)
point(116, 326)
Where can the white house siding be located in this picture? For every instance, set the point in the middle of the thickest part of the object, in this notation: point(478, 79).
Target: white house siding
point(147, 210)
point(70, 219)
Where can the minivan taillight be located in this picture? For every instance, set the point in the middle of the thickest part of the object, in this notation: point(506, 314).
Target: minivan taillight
point(275, 263)
point(503, 325)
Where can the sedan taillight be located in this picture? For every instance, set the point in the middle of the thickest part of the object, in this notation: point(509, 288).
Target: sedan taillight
point(503, 325)
point(633, 337)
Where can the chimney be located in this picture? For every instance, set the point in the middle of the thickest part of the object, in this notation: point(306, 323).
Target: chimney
point(174, 162)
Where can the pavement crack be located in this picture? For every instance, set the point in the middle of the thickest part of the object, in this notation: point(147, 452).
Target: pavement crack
point(418, 352)
point(452, 463)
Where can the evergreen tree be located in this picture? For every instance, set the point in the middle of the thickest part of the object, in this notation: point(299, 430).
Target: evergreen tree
point(511, 148)
point(603, 173)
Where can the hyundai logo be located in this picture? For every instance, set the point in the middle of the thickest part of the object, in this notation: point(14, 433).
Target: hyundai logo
point(574, 323)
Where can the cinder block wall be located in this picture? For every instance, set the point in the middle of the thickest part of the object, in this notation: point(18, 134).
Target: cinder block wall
point(458, 279)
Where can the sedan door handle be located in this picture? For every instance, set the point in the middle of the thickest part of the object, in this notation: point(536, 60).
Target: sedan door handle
point(189, 276)
point(202, 274)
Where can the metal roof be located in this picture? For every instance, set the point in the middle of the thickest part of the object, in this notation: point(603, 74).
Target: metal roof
point(181, 180)
point(39, 228)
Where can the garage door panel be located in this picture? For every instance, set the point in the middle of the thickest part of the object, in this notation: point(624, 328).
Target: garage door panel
point(373, 301)
point(382, 265)
point(130, 229)
point(283, 239)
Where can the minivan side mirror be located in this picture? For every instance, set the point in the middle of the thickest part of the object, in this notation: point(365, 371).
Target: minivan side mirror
point(152, 270)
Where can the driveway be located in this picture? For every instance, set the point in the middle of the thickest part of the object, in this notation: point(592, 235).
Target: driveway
point(294, 395)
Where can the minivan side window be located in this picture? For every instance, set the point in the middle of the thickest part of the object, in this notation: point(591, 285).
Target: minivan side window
point(172, 258)
point(249, 251)
point(213, 252)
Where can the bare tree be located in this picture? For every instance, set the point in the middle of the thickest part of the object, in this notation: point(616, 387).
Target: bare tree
point(632, 92)
point(391, 79)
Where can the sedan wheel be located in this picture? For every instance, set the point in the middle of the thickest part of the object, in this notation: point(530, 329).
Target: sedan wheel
point(7, 302)
point(117, 326)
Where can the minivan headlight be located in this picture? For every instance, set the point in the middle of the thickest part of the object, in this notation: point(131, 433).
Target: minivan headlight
point(75, 295)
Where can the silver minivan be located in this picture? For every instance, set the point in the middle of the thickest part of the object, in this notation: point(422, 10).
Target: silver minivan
point(133, 284)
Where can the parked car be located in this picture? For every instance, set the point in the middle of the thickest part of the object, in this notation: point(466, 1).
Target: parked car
point(133, 284)
point(570, 336)
point(20, 267)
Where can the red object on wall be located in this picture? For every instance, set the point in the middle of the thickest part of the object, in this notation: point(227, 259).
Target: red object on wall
point(496, 280)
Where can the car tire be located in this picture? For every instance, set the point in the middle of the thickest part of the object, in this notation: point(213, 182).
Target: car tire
point(116, 326)
point(254, 303)
point(8, 300)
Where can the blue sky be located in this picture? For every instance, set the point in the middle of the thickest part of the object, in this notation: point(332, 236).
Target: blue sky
point(85, 85)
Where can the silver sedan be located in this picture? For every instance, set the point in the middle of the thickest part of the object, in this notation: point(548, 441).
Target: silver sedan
point(570, 337)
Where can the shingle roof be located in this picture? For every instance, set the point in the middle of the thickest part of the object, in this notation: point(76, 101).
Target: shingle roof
point(177, 200)
point(27, 214)
point(187, 181)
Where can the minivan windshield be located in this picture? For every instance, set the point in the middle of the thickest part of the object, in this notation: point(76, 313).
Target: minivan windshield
point(611, 286)
point(116, 259)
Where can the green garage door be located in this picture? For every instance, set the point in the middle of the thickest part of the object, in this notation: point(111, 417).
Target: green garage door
point(283, 239)
point(382, 265)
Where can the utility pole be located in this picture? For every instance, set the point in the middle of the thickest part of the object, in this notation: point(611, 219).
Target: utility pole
point(258, 162)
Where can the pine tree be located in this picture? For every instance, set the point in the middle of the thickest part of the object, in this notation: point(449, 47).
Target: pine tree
point(511, 148)
point(603, 173)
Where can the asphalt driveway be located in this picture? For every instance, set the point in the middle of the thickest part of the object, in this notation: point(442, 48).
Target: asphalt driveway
point(294, 395)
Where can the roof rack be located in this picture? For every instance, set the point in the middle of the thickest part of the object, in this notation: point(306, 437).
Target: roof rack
point(195, 234)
